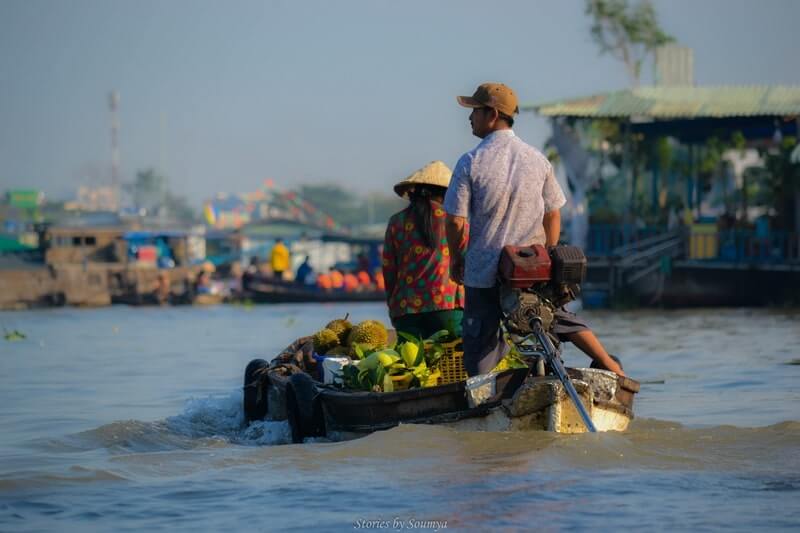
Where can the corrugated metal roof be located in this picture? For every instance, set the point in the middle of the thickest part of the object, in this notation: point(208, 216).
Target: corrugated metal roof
point(680, 102)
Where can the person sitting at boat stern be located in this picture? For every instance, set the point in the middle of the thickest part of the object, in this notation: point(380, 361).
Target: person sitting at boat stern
point(422, 298)
point(506, 190)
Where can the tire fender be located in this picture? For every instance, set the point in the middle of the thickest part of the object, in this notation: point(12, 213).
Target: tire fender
point(255, 397)
point(304, 408)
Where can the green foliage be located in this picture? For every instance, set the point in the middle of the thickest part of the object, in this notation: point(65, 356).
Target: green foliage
point(711, 155)
point(664, 153)
point(431, 348)
point(178, 207)
point(782, 177)
point(607, 129)
point(513, 359)
point(413, 362)
point(13, 335)
point(758, 186)
point(350, 209)
point(711, 164)
point(150, 191)
point(738, 140)
point(629, 33)
point(553, 156)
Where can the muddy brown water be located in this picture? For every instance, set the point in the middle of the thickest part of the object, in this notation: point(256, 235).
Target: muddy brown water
point(130, 419)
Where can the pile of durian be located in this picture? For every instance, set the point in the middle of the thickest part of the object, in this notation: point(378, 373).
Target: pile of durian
point(379, 366)
point(340, 337)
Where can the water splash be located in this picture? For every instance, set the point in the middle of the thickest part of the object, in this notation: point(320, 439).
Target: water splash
point(210, 422)
point(223, 418)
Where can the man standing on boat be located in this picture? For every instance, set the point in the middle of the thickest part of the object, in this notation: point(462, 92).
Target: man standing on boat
point(507, 192)
point(279, 259)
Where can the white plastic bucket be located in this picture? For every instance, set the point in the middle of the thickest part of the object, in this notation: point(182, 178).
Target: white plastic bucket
point(332, 369)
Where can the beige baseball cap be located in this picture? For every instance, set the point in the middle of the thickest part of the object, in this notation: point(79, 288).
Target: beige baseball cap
point(434, 173)
point(496, 95)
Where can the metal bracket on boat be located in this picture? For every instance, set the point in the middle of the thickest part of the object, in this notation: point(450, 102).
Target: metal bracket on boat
point(551, 355)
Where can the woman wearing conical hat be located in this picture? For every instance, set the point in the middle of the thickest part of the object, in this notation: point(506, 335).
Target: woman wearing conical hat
point(422, 298)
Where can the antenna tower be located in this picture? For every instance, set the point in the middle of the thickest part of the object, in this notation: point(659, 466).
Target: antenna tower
point(113, 104)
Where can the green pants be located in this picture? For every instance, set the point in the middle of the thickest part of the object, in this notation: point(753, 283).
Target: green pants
point(426, 324)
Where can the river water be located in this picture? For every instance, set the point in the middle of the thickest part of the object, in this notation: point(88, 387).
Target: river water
point(129, 419)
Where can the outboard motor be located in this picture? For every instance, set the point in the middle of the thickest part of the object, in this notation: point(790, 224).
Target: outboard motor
point(534, 282)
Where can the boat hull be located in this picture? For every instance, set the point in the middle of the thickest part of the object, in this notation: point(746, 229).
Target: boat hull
point(286, 292)
point(518, 402)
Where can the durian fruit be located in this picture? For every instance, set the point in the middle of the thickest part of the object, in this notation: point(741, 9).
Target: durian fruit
point(324, 340)
point(339, 350)
point(369, 334)
point(342, 328)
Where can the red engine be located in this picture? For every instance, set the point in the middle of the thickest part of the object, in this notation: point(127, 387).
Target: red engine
point(535, 282)
point(522, 266)
point(525, 266)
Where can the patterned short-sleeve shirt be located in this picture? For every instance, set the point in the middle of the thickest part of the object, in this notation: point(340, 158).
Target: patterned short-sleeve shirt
point(503, 187)
point(417, 276)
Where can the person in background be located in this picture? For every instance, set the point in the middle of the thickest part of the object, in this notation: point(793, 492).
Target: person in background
point(303, 271)
point(202, 284)
point(164, 254)
point(363, 262)
point(279, 259)
point(163, 289)
point(234, 284)
point(422, 298)
point(250, 273)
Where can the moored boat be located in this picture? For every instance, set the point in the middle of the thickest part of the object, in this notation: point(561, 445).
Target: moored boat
point(274, 291)
point(205, 299)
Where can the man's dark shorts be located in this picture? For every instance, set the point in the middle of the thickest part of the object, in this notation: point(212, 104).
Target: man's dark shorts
point(483, 342)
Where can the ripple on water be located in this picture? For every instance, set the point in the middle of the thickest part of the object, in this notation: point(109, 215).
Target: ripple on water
point(146, 462)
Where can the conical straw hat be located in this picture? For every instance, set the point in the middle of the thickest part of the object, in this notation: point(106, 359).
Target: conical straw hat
point(434, 173)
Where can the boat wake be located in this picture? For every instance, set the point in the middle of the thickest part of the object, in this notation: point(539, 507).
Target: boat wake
point(211, 422)
point(218, 422)
point(223, 418)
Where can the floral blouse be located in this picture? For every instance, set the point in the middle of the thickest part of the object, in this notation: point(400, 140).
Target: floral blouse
point(417, 277)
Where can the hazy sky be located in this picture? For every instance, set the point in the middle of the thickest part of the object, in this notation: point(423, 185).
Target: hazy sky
point(221, 95)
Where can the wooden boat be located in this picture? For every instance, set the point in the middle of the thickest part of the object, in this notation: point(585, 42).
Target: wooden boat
point(287, 389)
point(275, 291)
point(206, 299)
